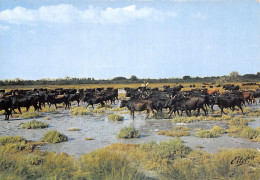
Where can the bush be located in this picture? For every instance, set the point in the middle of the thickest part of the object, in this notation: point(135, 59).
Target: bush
point(249, 133)
point(103, 164)
point(116, 117)
point(159, 115)
point(89, 139)
point(99, 111)
point(80, 111)
point(30, 114)
point(50, 109)
point(162, 151)
point(217, 130)
point(34, 125)
point(206, 134)
point(238, 121)
point(74, 129)
point(11, 139)
point(173, 133)
point(54, 136)
point(183, 128)
point(127, 133)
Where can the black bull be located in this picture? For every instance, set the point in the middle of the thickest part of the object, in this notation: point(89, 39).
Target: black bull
point(137, 105)
point(188, 104)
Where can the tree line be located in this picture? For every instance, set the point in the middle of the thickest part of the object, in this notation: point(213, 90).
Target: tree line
point(232, 77)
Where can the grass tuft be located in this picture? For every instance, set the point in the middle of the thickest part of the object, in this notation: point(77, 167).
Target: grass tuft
point(89, 139)
point(73, 129)
point(34, 125)
point(127, 133)
point(11, 139)
point(173, 133)
point(54, 136)
point(30, 114)
point(115, 117)
point(80, 111)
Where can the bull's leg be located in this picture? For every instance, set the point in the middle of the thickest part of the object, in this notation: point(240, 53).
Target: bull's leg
point(187, 112)
point(241, 109)
point(19, 109)
point(147, 114)
point(205, 111)
point(78, 102)
point(170, 112)
point(222, 111)
point(133, 114)
point(56, 105)
point(198, 112)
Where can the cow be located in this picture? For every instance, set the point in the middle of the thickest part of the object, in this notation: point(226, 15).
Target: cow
point(188, 104)
point(6, 104)
point(228, 100)
point(137, 105)
point(56, 99)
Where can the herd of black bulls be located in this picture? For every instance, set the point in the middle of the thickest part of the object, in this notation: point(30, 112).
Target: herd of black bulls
point(15, 99)
point(179, 101)
point(139, 99)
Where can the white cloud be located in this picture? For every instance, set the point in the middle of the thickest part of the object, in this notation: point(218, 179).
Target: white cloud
point(4, 28)
point(67, 13)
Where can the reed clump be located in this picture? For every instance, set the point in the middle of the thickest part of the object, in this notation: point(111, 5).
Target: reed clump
point(73, 129)
point(127, 133)
point(116, 117)
point(174, 133)
point(212, 133)
point(54, 136)
point(76, 111)
point(30, 114)
point(35, 125)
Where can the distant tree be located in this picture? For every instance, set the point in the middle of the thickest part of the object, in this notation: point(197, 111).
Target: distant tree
point(186, 77)
point(133, 78)
point(118, 78)
point(233, 75)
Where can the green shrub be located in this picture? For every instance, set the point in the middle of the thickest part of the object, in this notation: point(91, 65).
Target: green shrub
point(170, 150)
point(73, 129)
point(183, 128)
point(238, 121)
point(34, 125)
point(249, 133)
point(54, 136)
point(50, 109)
point(103, 164)
point(116, 117)
point(11, 139)
point(217, 130)
point(127, 133)
point(89, 139)
point(235, 131)
point(99, 111)
point(80, 111)
point(173, 133)
point(206, 134)
point(30, 114)
point(159, 115)
point(119, 109)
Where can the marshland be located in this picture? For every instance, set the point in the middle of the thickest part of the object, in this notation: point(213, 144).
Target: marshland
point(106, 142)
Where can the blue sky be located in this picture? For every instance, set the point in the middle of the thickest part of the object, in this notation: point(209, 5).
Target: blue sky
point(149, 39)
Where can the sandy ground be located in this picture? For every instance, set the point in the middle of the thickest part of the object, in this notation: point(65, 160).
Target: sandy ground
point(104, 132)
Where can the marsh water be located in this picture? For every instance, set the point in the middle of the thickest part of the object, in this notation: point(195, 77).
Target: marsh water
point(103, 131)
